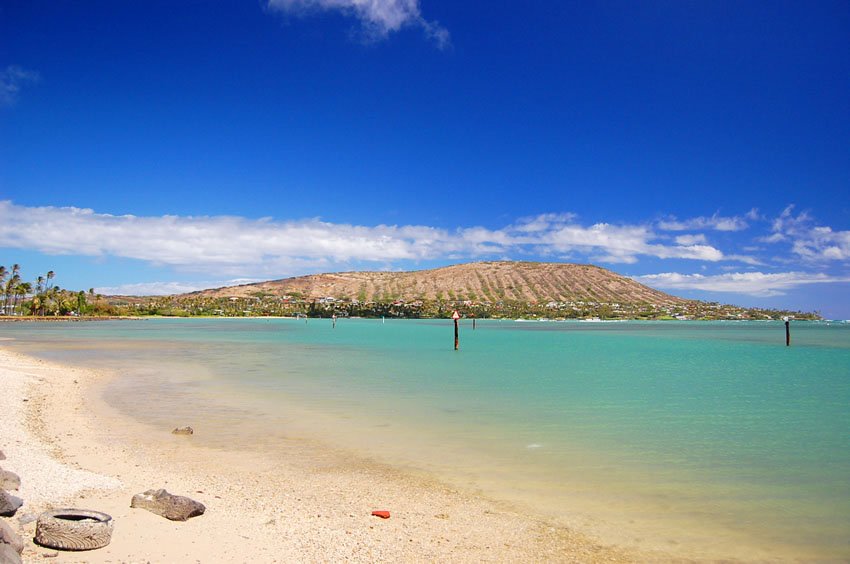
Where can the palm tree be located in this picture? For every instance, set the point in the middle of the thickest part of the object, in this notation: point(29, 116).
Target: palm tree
point(12, 291)
point(10, 285)
point(23, 289)
point(39, 290)
point(35, 304)
point(3, 273)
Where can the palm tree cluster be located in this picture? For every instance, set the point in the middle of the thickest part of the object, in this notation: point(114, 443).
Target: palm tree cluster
point(46, 300)
point(12, 291)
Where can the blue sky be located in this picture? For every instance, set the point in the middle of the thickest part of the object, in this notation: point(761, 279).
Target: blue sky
point(702, 148)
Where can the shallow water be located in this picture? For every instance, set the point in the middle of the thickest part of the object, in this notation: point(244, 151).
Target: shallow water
point(709, 439)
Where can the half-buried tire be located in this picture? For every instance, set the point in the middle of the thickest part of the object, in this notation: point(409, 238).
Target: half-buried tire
point(73, 529)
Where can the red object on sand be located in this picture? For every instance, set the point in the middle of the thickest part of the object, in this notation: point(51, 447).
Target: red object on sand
point(381, 514)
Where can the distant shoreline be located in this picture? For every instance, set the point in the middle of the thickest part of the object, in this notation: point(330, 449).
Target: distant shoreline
point(55, 318)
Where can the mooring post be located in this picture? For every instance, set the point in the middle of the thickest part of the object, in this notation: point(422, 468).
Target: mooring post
point(333, 319)
point(473, 324)
point(455, 317)
point(787, 332)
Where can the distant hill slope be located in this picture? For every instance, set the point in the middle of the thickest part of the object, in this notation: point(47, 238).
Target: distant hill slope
point(480, 282)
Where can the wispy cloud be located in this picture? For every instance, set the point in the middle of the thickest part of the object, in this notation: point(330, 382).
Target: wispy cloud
point(378, 17)
point(691, 239)
point(239, 246)
point(809, 241)
point(715, 222)
point(12, 79)
point(748, 283)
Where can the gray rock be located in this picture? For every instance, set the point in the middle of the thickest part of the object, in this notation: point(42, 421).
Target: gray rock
point(9, 503)
point(9, 556)
point(183, 431)
point(10, 537)
point(2, 456)
point(9, 480)
point(173, 507)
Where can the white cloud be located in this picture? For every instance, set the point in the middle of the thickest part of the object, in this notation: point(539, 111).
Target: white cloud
point(690, 239)
point(822, 243)
point(379, 17)
point(810, 242)
point(606, 242)
point(168, 288)
point(239, 246)
point(750, 283)
point(746, 259)
point(12, 79)
point(716, 222)
point(787, 223)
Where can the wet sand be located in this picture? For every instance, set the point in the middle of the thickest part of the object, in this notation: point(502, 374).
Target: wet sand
point(305, 503)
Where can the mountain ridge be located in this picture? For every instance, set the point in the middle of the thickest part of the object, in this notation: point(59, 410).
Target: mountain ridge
point(481, 282)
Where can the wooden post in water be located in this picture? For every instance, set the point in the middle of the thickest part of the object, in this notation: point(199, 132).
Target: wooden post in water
point(473, 323)
point(787, 332)
point(333, 318)
point(455, 317)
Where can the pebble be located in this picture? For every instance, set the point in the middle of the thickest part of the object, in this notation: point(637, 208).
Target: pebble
point(27, 518)
point(9, 480)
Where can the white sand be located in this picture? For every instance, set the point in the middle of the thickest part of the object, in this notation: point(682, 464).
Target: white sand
point(73, 450)
point(47, 478)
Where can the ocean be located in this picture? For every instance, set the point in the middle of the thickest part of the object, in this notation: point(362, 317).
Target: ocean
point(707, 439)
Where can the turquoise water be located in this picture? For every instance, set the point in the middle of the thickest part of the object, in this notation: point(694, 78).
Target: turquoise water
point(709, 439)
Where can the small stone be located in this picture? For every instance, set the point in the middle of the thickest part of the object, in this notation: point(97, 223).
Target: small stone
point(50, 554)
point(9, 480)
point(183, 431)
point(9, 537)
point(9, 504)
point(173, 507)
point(9, 556)
point(2, 456)
point(27, 518)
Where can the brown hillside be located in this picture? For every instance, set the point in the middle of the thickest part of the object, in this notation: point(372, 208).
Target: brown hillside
point(480, 282)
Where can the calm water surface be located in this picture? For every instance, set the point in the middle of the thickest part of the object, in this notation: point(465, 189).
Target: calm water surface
point(706, 438)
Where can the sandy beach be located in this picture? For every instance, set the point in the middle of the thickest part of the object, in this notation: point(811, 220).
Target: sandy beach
point(71, 449)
